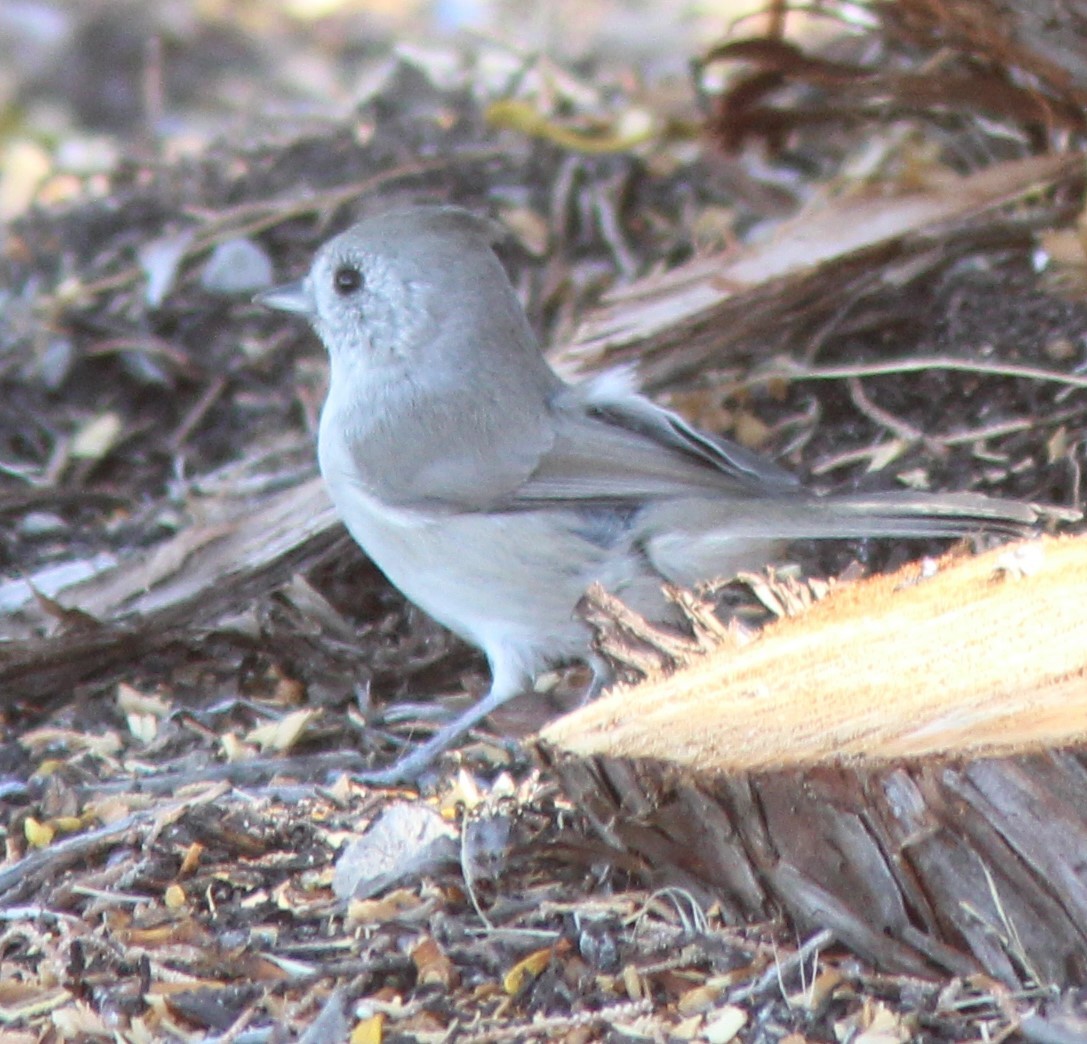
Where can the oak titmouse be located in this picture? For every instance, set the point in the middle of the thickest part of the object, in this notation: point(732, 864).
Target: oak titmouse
point(492, 493)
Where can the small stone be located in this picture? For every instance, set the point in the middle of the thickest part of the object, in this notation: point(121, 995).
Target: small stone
point(41, 523)
point(55, 362)
point(237, 266)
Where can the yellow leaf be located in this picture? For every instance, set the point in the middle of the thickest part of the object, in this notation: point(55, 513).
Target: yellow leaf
point(521, 116)
point(38, 834)
point(369, 1031)
point(526, 969)
point(67, 824)
point(175, 897)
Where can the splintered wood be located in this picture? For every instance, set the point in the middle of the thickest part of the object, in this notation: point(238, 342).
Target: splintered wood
point(674, 323)
point(843, 769)
point(985, 656)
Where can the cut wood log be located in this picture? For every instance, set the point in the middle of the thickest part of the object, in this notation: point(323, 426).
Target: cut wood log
point(901, 763)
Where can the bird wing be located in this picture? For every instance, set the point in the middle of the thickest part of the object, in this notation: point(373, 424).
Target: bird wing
point(614, 446)
point(601, 445)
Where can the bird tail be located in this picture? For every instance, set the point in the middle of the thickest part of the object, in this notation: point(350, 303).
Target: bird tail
point(692, 540)
point(914, 515)
point(850, 516)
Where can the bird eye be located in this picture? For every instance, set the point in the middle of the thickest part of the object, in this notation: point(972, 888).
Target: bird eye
point(347, 280)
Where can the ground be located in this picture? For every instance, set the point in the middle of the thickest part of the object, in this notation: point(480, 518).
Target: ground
point(187, 851)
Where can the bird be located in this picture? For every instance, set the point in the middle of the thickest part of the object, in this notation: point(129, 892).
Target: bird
point(492, 493)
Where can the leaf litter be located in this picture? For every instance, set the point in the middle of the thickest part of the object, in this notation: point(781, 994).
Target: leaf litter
point(185, 707)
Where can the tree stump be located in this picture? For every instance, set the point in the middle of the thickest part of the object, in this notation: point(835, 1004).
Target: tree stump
point(903, 764)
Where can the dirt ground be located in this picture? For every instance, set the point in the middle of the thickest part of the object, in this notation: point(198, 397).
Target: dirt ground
point(187, 852)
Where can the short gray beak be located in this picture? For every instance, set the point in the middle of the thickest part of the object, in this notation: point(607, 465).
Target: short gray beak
point(291, 297)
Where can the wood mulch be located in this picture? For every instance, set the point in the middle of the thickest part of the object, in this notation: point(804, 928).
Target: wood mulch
point(195, 660)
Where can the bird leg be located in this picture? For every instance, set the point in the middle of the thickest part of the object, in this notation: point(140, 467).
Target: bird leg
point(409, 767)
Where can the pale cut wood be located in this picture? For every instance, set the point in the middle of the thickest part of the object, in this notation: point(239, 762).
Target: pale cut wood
point(213, 568)
point(236, 541)
point(987, 656)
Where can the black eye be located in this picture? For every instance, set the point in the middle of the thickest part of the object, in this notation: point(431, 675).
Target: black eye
point(347, 280)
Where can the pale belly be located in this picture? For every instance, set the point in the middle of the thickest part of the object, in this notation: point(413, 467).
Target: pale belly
point(508, 583)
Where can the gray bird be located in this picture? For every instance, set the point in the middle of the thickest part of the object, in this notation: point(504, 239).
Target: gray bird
point(492, 493)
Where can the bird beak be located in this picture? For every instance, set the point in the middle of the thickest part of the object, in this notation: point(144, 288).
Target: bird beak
point(291, 297)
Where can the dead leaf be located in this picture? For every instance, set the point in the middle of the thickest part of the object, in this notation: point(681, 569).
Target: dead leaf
point(406, 840)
